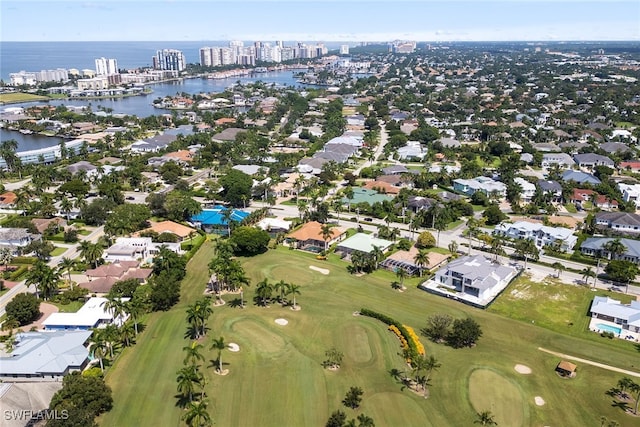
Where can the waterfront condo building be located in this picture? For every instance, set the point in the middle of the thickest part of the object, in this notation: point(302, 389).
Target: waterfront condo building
point(169, 59)
point(106, 67)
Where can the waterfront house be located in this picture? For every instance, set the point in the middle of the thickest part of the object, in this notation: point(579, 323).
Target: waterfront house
point(541, 235)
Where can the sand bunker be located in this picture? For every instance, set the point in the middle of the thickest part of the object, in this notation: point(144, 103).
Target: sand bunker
point(539, 401)
point(282, 322)
point(522, 369)
point(233, 347)
point(319, 270)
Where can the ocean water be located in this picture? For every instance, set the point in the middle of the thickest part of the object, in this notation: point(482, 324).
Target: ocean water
point(36, 56)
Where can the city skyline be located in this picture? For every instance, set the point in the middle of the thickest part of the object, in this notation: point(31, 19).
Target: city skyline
point(328, 20)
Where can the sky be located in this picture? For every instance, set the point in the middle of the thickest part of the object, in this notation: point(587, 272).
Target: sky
point(320, 20)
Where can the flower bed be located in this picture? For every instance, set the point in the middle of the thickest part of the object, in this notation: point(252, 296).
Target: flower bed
point(409, 340)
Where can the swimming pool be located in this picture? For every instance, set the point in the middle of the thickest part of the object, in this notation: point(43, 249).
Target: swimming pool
point(608, 328)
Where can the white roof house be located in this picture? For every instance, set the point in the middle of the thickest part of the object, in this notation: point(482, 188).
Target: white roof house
point(473, 279)
point(268, 224)
point(560, 159)
point(362, 242)
point(410, 150)
point(609, 309)
point(45, 355)
point(630, 192)
point(528, 189)
point(541, 234)
point(483, 184)
point(136, 248)
point(93, 314)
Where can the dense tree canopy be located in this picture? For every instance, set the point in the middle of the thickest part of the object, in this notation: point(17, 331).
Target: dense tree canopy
point(126, 219)
point(236, 187)
point(249, 240)
point(24, 308)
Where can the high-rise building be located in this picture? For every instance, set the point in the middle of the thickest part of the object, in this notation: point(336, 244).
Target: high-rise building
point(344, 49)
point(205, 57)
point(106, 67)
point(169, 59)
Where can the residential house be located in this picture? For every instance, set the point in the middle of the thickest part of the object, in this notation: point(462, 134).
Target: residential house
point(184, 157)
point(630, 193)
point(412, 150)
point(361, 242)
point(250, 169)
point(528, 189)
point(632, 165)
point(102, 278)
point(541, 235)
point(15, 239)
point(93, 314)
point(595, 247)
point(274, 225)
point(472, 279)
point(153, 144)
point(483, 184)
point(382, 187)
point(625, 316)
point(622, 222)
point(309, 237)
point(8, 200)
point(562, 160)
point(182, 232)
point(45, 356)
point(406, 261)
point(43, 224)
point(214, 219)
point(395, 170)
point(546, 147)
point(136, 248)
point(580, 177)
point(614, 147)
point(551, 189)
point(419, 203)
point(600, 201)
point(591, 160)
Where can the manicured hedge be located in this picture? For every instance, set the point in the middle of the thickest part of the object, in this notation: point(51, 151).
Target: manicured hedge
point(390, 321)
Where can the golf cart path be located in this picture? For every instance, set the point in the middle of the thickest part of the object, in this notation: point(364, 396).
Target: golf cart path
point(589, 362)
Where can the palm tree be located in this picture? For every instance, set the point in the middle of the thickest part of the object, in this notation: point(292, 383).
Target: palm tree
point(197, 415)
point(615, 248)
point(558, 268)
point(116, 306)
point(586, 274)
point(485, 418)
point(635, 388)
point(66, 265)
point(401, 273)
point(91, 252)
point(65, 206)
point(365, 421)
point(326, 234)
point(431, 365)
point(526, 249)
point(293, 289)
point(99, 346)
point(219, 344)
point(193, 353)
point(8, 153)
point(44, 278)
point(421, 259)
point(280, 287)
point(111, 335)
point(263, 291)
point(5, 257)
point(127, 333)
point(188, 377)
point(134, 308)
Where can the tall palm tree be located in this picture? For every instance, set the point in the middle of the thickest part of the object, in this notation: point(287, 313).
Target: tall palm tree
point(188, 377)
point(558, 268)
point(127, 333)
point(99, 346)
point(280, 287)
point(615, 248)
point(134, 308)
point(116, 307)
point(327, 233)
point(219, 344)
point(401, 273)
point(485, 418)
point(111, 335)
point(193, 353)
point(587, 273)
point(8, 153)
point(431, 365)
point(65, 206)
point(91, 252)
point(5, 257)
point(197, 415)
point(66, 265)
point(264, 290)
point(44, 278)
point(421, 259)
point(294, 290)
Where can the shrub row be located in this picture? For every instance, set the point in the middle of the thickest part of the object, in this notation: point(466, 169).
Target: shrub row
point(390, 321)
point(18, 272)
point(415, 340)
point(403, 341)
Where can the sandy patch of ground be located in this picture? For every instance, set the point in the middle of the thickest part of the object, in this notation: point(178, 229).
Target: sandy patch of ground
point(233, 347)
point(282, 322)
point(319, 270)
point(223, 372)
point(522, 369)
point(539, 401)
point(536, 275)
point(296, 308)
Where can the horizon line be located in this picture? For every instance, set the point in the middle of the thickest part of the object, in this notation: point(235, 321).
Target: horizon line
point(336, 41)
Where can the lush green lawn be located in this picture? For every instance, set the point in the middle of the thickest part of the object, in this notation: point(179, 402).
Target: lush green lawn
point(277, 379)
point(59, 250)
point(20, 97)
point(570, 207)
point(551, 304)
point(72, 307)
